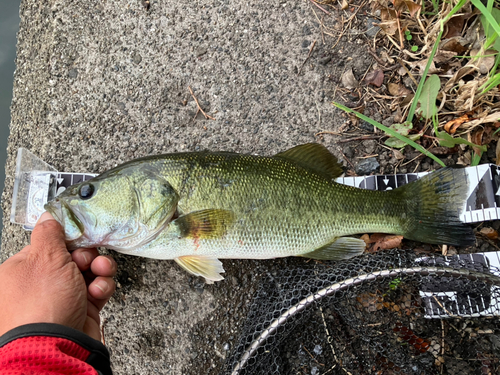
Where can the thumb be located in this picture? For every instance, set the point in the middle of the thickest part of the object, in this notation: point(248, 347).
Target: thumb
point(48, 236)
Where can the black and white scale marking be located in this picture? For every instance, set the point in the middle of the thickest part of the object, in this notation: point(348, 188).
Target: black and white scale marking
point(483, 202)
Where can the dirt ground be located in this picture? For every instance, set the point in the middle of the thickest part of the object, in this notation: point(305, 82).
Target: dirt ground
point(101, 83)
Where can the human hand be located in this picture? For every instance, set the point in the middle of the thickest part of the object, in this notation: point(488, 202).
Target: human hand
point(44, 283)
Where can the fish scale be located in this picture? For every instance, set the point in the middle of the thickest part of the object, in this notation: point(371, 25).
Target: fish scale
point(197, 208)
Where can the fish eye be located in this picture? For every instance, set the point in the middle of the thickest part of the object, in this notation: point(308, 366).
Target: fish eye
point(86, 191)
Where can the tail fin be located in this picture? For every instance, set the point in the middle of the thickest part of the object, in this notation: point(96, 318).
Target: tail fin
point(435, 203)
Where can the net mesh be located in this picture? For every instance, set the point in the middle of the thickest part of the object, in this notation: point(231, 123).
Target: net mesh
point(388, 313)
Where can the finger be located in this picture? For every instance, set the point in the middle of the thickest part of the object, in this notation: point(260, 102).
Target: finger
point(103, 265)
point(93, 312)
point(84, 257)
point(100, 290)
point(91, 325)
point(48, 237)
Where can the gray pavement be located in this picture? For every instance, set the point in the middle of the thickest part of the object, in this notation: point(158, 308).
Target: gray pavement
point(100, 83)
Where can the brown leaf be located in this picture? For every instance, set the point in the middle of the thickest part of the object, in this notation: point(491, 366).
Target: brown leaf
point(370, 301)
point(413, 8)
point(491, 233)
point(397, 89)
point(484, 63)
point(456, 44)
point(477, 138)
point(455, 26)
point(421, 345)
point(389, 27)
point(366, 238)
point(383, 241)
point(387, 14)
point(452, 126)
point(498, 153)
point(389, 242)
point(348, 80)
point(375, 77)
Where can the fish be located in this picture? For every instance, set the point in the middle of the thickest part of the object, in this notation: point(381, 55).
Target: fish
point(199, 207)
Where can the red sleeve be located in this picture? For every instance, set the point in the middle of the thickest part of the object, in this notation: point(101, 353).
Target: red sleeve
point(51, 349)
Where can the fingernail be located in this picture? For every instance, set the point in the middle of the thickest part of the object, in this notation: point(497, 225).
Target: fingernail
point(111, 263)
point(45, 216)
point(85, 257)
point(102, 285)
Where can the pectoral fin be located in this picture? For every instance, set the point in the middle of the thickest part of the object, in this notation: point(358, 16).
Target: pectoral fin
point(205, 224)
point(341, 248)
point(209, 268)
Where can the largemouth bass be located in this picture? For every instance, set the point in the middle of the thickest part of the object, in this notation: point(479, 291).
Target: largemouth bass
point(197, 208)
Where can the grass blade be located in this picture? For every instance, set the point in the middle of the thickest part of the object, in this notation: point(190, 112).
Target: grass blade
point(390, 132)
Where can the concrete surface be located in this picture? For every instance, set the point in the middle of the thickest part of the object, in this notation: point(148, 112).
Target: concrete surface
point(99, 83)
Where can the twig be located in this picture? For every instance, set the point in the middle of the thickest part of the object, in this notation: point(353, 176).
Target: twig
point(380, 62)
point(307, 58)
point(308, 352)
point(345, 157)
point(320, 7)
point(326, 132)
point(329, 341)
point(400, 32)
point(199, 108)
point(363, 138)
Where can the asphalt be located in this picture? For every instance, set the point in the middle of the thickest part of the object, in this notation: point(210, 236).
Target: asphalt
point(100, 83)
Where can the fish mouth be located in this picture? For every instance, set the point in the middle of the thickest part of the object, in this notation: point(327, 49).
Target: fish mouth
point(72, 224)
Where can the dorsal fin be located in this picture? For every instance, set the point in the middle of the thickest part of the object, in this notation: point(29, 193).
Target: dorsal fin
point(314, 157)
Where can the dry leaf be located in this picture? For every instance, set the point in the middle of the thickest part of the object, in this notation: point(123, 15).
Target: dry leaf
point(491, 118)
point(466, 95)
point(422, 64)
point(384, 56)
point(452, 126)
point(370, 301)
point(348, 80)
point(397, 89)
point(406, 334)
point(387, 14)
point(455, 25)
point(389, 27)
point(456, 44)
point(345, 5)
point(465, 159)
point(498, 153)
point(375, 78)
point(366, 238)
point(477, 138)
point(467, 69)
point(484, 63)
point(383, 241)
point(398, 154)
point(413, 8)
point(443, 56)
point(490, 233)
point(401, 5)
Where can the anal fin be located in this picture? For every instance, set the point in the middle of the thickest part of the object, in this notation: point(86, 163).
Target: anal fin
point(341, 248)
point(208, 267)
